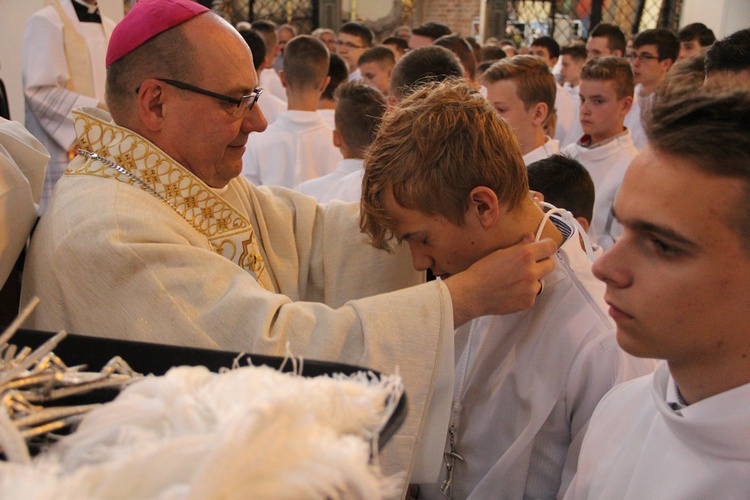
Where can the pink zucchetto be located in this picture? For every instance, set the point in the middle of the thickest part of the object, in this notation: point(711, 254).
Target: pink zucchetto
point(147, 19)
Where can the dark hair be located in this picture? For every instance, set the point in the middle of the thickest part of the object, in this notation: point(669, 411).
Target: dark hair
point(432, 30)
point(264, 26)
point(400, 43)
point(359, 109)
point(462, 49)
point(378, 53)
point(257, 45)
point(359, 30)
point(339, 73)
point(423, 65)
point(565, 183)
point(306, 62)
point(549, 43)
point(729, 54)
point(685, 76)
point(614, 35)
point(708, 129)
point(666, 42)
point(611, 69)
point(697, 31)
point(491, 53)
point(575, 50)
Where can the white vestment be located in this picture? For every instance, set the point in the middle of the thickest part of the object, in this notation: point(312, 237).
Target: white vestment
point(242, 269)
point(567, 116)
point(638, 447)
point(271, 106)
point(298, 146)
point(320, 186)
point(271, 82)
point(549, 148)
point(527, 384)
point(23, 160)
point(606, 164)
point(348, 188)
point(634, 120)
point(47, 77)
point(328, 116)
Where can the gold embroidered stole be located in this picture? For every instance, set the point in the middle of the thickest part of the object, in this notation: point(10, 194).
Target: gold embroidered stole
point(228, 231)
point(77, 55)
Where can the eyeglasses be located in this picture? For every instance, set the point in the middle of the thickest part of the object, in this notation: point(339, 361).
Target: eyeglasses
point(642, 57)
point(349, 45)
point(244, 104)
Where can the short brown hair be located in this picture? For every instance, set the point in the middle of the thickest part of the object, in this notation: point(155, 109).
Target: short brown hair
point(710, 131)
point(611, 69)
point(534, 80)
point(437, 145)
point(306, 62)
point(359, 109)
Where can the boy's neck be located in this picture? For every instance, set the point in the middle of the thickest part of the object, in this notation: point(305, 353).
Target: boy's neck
point(303, 101)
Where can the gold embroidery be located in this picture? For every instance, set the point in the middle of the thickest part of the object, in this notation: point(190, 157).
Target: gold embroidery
point(206, 211)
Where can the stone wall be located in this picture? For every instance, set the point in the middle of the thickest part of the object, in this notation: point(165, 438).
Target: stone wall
point(456, 14)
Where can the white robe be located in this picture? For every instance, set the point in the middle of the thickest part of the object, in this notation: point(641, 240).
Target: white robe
point(320, 186)
point(638, 447)
point(271, 106)
point(634, 120)
point(23, 160)
point(567, 116)
point(328, 116)
point(549, 148)
point(295, 148)
point(527, 384)
point(45, 73)
point(348, 188)
point(606, 164)
point(271, 82)
point(110, 259)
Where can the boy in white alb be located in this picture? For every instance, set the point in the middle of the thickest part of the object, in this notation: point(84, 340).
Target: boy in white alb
point(526, 384)
point(297, 146)
point(565, 132)
point(359, 109)
point(522, 90)
point(677, 286)
point(606, 148)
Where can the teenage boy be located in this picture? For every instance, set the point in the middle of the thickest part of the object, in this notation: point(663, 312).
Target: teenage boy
point(426, 34)
point(727, 61)
point(297, 146)
point(654, 52)
point(694, 38)
point(359, 108)
point(526, 384)
point(376, 65)
point(549, 50)
point(522, 91)
point(606, 148)
point(573, 58)
point(677, 286)
point(354, 39)
point(605, 40)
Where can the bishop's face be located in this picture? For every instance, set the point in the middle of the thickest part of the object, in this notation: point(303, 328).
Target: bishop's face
point(202, 132)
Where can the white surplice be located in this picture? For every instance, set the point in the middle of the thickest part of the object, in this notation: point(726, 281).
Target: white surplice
point(567, 116)
point(111, 259)
point(638, 447)
point(271, 82)
point(635, 119)
point(606, 163)
point(297, 147)
point(320, 186)
point(549, 148)
point(527, 384)
point(271, 106)
point(46, 75)
point(23, 160)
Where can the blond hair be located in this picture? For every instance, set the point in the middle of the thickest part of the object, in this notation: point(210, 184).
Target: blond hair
point(441, 142)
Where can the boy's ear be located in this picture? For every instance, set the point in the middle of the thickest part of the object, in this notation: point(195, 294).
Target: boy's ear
point(337, 142)
point(540, 114)
point(627, 103)
point(282, 78)
point(484, 205)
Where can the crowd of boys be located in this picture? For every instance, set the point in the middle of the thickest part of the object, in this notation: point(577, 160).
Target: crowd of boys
point(585, 332)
